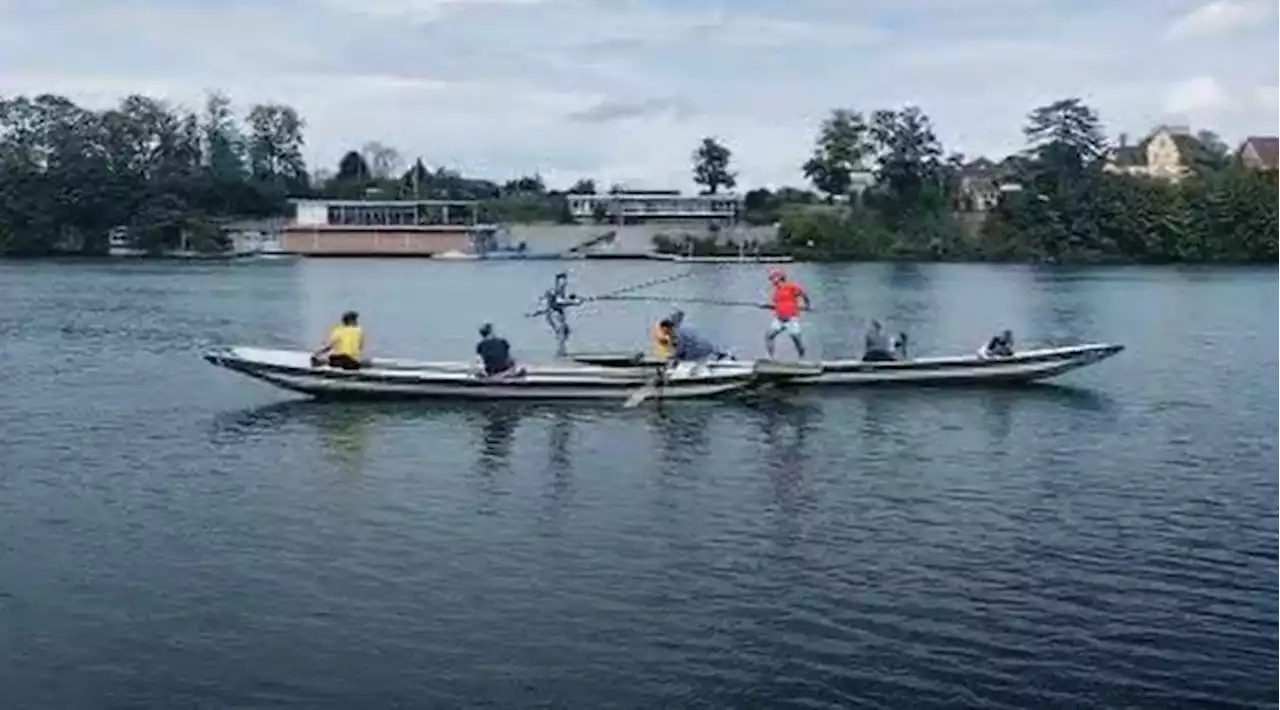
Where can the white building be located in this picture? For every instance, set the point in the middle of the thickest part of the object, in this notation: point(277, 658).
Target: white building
point(634, 207)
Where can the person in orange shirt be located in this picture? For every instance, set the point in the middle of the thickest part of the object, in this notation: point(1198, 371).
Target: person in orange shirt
point(786, 304)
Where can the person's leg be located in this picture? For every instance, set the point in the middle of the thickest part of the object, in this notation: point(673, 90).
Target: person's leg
point(559, 326)
point(793, 328)
point(774, 328)
point(344, 362)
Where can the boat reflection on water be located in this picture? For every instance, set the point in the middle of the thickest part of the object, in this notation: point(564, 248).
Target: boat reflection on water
point(497, 427)
point(786, 430)
point(877, 421)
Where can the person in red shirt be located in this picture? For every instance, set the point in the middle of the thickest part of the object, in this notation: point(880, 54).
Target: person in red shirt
point(786, 304)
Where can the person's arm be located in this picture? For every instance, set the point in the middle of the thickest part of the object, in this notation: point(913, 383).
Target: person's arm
point(325, 347)
point(804, 296)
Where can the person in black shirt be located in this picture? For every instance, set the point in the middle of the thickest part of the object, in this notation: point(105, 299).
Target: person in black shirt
point(999, 346)
point(877, 348)
point(494, 353)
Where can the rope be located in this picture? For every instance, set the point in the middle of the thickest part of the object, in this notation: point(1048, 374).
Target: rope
point(678, 299)
point(612, 295)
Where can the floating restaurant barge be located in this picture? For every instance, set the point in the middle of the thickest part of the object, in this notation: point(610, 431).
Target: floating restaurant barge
point(383, 228)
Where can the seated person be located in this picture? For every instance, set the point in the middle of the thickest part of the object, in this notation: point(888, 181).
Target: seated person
point(495, 354)
point(344, 346)
point(1001, 345)
point(877, 345)
point(663, 340)
point(690, 345)
point(900, 346)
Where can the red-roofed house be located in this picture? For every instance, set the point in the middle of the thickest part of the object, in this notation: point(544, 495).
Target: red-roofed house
point(1260, 152)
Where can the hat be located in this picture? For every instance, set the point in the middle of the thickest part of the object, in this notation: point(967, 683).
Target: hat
point(775, 274)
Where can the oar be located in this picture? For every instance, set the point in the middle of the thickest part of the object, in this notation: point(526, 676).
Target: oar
point(651, 387)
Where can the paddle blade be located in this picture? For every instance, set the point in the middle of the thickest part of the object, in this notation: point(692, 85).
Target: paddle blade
point(639, 396)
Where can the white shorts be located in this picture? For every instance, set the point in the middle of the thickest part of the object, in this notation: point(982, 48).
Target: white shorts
point(790, 327)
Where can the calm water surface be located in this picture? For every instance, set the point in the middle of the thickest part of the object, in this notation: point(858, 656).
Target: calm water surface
point(173, 535)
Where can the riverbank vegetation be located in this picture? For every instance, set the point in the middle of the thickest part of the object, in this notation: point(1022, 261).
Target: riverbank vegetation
point(884, 190)
point(881, 187)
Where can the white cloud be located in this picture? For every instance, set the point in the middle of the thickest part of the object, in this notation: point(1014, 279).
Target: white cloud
point(421, 10)
point(1267, 97)
point(1199, 96)
point(621, 90)
point(1218, 19)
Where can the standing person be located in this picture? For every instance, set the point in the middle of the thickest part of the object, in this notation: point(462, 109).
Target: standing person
point(786, 302)
point(344, 346)
point(555, 301)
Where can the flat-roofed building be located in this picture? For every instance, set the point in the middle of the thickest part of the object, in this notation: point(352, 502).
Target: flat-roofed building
point(381, 227)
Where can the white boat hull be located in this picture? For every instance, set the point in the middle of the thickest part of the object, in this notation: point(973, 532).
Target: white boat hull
point(292, 370)
point(1026, 366)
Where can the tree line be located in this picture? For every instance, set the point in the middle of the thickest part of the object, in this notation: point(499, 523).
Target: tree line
point(884, 188)
point(881, 186)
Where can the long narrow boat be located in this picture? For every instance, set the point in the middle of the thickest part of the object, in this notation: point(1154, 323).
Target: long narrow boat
point(292, 370)
point(1025, 366)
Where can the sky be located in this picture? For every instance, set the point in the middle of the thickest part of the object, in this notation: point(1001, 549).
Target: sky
point(621, 91)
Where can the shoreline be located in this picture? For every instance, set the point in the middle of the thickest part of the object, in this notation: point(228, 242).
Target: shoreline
point(673, 259)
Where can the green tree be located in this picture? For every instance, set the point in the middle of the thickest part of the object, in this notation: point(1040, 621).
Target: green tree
point(841, 149)
point(383, 160)
point(711, 166)
point(585, 186)
point(223, 143)
point(910, 178)
point(69, 177)
point(275, 146)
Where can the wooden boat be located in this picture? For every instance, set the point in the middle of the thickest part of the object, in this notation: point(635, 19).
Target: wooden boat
point(292, 370)
point(1025, 366)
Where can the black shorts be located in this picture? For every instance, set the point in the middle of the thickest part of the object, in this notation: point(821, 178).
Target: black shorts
point(344, 362)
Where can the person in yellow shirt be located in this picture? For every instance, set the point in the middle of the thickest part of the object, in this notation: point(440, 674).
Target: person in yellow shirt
point(345, 345)
point(664, 340)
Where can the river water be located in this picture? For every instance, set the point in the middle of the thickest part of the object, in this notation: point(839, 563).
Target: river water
point(174, 535)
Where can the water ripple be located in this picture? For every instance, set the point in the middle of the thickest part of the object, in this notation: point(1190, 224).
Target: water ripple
point(174, 536)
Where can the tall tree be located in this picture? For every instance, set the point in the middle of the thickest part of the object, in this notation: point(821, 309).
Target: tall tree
point(840, 150)
point(353, 168)
point(711, 166)
point(275, 146)
point(416, 181)
point(910, 179)
point(383, 160)
point(224, 145)
point(525, 185)
point(1066, 136)
point(584, 186)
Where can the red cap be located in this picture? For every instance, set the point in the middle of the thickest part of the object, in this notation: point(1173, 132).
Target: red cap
point(775, 274)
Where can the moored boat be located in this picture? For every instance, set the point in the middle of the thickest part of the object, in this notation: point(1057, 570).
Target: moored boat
point(292, 370)
point(1025, 366)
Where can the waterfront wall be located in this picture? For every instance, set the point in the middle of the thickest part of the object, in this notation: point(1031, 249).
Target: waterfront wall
point(383, 240)
point(631, 238)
